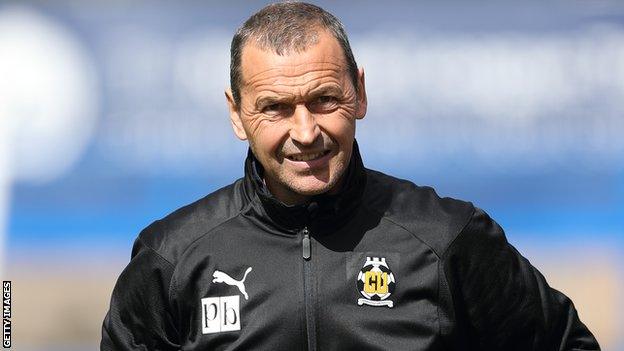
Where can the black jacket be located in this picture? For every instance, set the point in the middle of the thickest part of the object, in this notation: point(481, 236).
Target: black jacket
point(383, 265)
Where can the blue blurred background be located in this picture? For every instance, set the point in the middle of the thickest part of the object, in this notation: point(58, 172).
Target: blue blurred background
point(112, 115)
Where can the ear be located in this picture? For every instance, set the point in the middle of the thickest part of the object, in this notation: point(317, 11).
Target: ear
point(235, 117)
point(362, 101)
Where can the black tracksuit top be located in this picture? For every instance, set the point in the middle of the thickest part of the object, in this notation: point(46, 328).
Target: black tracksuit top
point(383, 265)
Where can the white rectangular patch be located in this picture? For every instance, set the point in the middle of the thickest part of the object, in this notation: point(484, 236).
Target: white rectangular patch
point(220, 314)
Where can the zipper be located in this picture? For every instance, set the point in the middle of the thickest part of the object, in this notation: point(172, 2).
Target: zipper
point(308, 293)
point(306, 243)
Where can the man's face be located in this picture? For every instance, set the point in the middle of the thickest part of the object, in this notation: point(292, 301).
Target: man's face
point(298, 112)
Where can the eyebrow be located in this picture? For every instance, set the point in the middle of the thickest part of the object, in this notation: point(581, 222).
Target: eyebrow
point(316, 92)
point(269, 100)
point(327, 89)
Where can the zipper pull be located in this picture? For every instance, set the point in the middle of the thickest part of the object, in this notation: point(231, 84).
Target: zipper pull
point(306, 244)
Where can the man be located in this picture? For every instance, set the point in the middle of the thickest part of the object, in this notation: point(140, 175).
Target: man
point(312, 251)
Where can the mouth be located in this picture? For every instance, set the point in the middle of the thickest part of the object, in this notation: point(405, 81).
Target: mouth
point(306, 157)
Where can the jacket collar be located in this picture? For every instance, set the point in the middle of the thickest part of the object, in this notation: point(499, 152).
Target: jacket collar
point(322, 214)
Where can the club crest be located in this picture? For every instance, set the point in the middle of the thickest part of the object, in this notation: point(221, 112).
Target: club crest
point(376, 283)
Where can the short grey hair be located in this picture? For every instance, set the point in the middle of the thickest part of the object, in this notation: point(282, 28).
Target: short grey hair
point(283, 28)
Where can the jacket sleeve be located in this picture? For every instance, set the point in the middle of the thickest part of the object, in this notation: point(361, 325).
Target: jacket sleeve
point(502, 300)
point(139, 317)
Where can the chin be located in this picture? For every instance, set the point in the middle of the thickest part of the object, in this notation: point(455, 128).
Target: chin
point(310, 190)
point(311, 187)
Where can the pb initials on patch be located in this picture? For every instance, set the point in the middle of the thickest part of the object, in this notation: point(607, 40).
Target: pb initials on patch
point(220, 314)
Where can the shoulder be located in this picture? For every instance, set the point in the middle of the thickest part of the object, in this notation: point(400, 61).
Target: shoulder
point(170, 236)
point(435, 220)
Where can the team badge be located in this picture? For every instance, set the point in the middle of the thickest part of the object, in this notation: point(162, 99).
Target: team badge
point(376, 283)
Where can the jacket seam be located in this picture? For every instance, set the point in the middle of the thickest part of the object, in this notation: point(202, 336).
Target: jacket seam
point(172, 267)
point(438, 296)
point(155, 252)
point(169, 292)
point(459, 234)
point(439, 257)
point(437, 269)
point(414, 235)
point(385, 217)
point(442, 273)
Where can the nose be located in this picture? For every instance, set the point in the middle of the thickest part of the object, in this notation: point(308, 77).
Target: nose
point(304, 128)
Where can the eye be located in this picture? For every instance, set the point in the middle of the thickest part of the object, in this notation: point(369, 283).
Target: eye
point(277, 109)
point(325, 103)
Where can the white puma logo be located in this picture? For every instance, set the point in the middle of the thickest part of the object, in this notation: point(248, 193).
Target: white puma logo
point(220, 277)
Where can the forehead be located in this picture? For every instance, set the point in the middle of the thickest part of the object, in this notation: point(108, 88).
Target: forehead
point(259, 66)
